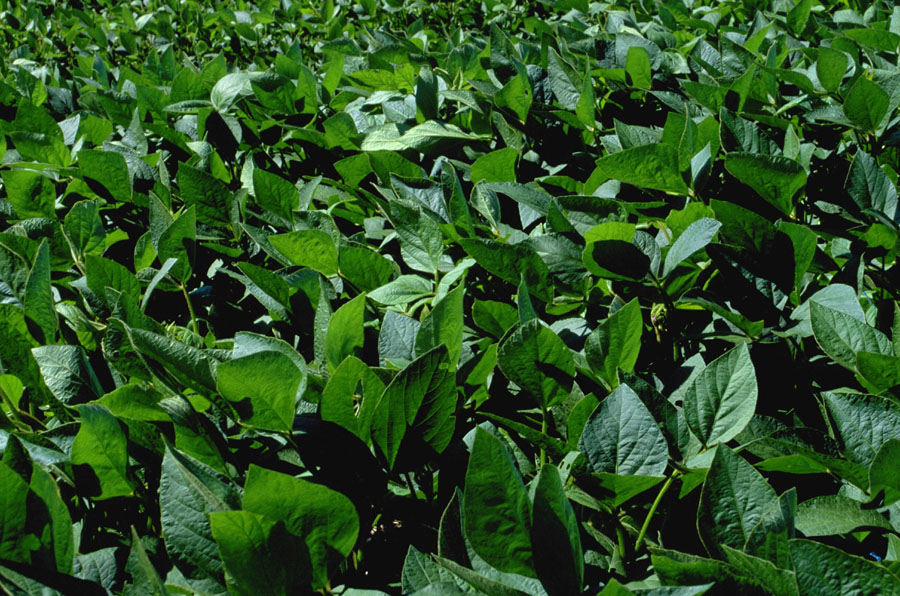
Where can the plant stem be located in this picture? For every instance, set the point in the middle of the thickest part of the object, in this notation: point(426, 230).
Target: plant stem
point(410, 485)
point(543, 432)
point(653, 507)
point(190, 306)
point(620, 535)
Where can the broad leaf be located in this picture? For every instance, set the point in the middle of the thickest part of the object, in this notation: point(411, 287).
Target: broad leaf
point(533, 357)
point(721, 399)
point(496, 509)
point(623, 438)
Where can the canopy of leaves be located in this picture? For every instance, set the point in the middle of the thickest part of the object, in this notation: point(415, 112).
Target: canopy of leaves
point(509, 297)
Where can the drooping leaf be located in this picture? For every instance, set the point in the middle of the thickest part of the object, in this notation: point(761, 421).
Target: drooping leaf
point(842, 336)
point(558, 557)
point(733, 500)
point(189, 492)
point(345, 334)
point(835, 514)
point(537, 360)
point(823, 569)
point(496, 509)
point(323, 518)
point(653, 166)
point(102, 446)
point(775, 178)
point(616, 342)
point(418, 405)
point(262, 387)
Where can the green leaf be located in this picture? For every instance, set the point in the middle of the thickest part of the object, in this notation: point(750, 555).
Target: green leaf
point(516, 95)
point(769, 538)
point(177, 242)
point(427, 93)
point(391, 137)
point(842, 336)
point(231, 88)
point(39, 304)
point(339, 398)
point(365, 268)
point(420, 572)
point(864, 423)
point(62, 537)
point(397, 337)
point(67, 373)
point(509, 262)
point(15, 542)
point(109, 170)
point(403, 290)
point(653, 167)
point(831, 65)
point(262, 387)
point(879, 370)
point(866, 104)
point(637, 67)
point(823, 569)
point(494, 317)
point(533, 357)
point(189, 491)
point(618, 489)
point(422, 243)
point(496, 166)
point(346, 334)
point(325, 519)
point(563, 81)
point(101, 445)
point(308, 248)
point(779, 581)
point(443, 326)
point(417, 406)
point(31, 193)
point(190, 365)
point(209, 195)
point(621, 437)
point(775, 178)
point(270, 289)
point(15, 346)
point(721, 399)
point(275, 194)
point(884, 473)
point(733, 500)
point(883, 41)
point(799, 16)
point(105, 273)
point(616, 342)
point(679, 569)
point(260, 555)
point(694, 238)
point(611, 254)
point(496, 510)
point(836, 514)
point(558, 558)
point(869, 186)
point(83, 228)
point(489, 581)
point(145, 579)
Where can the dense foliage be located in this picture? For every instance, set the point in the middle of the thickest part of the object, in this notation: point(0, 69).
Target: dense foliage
point(438, 297)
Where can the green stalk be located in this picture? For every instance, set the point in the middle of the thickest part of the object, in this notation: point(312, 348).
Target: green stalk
point(620, 536)
point(191, 310)
point(543, 432)
point(653, 507)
